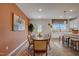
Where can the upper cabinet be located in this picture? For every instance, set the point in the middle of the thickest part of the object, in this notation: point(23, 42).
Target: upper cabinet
point(74, 23)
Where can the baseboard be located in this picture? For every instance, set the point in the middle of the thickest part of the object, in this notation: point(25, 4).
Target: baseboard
point(11, 53)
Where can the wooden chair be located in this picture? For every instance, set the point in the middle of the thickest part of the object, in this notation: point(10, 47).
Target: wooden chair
point(49, 40)
point(40, 46)
point(48, 35)
point(30, 40)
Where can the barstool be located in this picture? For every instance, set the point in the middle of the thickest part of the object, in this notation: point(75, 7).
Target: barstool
point(65, 40)
point(75, 44)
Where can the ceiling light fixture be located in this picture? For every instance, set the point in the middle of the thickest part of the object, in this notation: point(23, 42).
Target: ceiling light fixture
point(40, 10)
point(71, 10)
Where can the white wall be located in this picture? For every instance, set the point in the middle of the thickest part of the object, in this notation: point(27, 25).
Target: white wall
point(45, 27)
point(43, 22)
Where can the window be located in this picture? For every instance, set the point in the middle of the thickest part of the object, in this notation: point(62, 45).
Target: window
point(39, 28)
point(57, 26)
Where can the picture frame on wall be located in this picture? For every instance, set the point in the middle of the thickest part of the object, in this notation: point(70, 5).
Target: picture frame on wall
point(18, 23)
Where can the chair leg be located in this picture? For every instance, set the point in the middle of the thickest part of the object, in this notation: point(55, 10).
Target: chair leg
point(59, 39)
point(71, 44)
point(46, 53)
point(78, 46)
point(33, 53)
point(49, 46)
point(28, 47)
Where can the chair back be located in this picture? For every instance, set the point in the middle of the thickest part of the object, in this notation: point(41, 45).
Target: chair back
point(40, 45)
point(29, 38)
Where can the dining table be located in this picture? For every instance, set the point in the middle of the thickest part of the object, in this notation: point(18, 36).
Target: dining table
point(42, 37)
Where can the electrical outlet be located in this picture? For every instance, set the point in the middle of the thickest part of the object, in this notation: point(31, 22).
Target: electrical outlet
point(6, 47)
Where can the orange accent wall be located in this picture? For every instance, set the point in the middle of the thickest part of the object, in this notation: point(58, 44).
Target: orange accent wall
point(7, 36)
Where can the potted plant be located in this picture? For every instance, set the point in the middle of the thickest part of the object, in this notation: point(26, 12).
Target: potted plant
point(30, 28)
point(49, 25)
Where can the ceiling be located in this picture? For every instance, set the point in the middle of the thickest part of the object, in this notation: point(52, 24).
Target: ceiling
point(50, 10)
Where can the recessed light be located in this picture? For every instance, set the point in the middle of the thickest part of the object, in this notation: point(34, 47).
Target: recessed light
point(39, 9)
point(71, 10)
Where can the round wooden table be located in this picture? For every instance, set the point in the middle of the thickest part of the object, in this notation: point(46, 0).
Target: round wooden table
point(44, 37)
